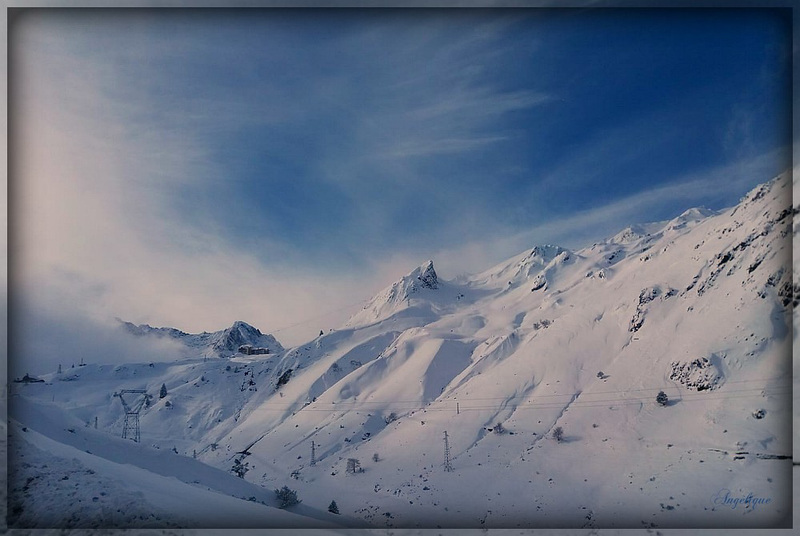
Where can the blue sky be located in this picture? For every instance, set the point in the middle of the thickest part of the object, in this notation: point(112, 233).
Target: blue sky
point(274, 165)
point(395, 125)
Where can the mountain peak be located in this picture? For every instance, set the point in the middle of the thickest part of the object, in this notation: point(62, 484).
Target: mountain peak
point(426, 275)
point(520, 267)
point(696, 213)
point(398, 295)
point(223, 343)
point(241, 325)
point(241, 333)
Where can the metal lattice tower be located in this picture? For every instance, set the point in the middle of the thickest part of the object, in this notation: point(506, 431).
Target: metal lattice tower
point(447, 465)
point(132, 412)
point(313, 454)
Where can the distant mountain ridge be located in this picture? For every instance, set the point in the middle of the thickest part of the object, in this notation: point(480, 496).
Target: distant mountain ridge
point(222, 343)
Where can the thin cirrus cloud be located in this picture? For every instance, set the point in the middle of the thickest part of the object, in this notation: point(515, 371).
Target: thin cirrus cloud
point(98, 183)
point(710, 187)
point(187, 172)
point(578, 229)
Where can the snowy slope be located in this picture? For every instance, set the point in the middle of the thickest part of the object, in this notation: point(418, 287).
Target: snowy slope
point(698, 307)
point(117, 483)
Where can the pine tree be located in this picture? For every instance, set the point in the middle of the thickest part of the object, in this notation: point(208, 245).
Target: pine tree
point(163, 392)
point(558, 434)
point(662, 398)
point(284, 379)
point(333, 508)
point(353, 466)
point(287, 497)
point(240, 469)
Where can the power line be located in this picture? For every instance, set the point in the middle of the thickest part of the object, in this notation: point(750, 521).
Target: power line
point(321, 315)
point(555, 395)
point(622, 391)
point(334, 407)
point(585, 393)
point(710, 394)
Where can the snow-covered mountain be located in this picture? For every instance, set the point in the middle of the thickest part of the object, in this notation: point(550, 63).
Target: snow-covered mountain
point(698, 307)
point(422, 286)
point(223, 343)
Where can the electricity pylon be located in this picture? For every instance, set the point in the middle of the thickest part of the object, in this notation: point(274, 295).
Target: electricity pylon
point(132, 412)
point(447, 465)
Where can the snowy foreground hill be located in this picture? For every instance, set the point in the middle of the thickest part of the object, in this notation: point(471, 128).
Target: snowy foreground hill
point(698, 307)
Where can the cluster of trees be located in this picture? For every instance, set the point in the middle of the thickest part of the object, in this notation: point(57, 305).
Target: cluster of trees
point(354, 466)
point(284, 379)
point(287, 497)
point(239, 468)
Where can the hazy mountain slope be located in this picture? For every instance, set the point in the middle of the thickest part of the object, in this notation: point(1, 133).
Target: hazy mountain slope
point(698, 307)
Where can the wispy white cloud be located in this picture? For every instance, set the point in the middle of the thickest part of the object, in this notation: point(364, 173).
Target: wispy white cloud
point(410, 148)
point(580, 229)
point(450, 121)
point(126, 196)
point(95, 223)
point(98, 181)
